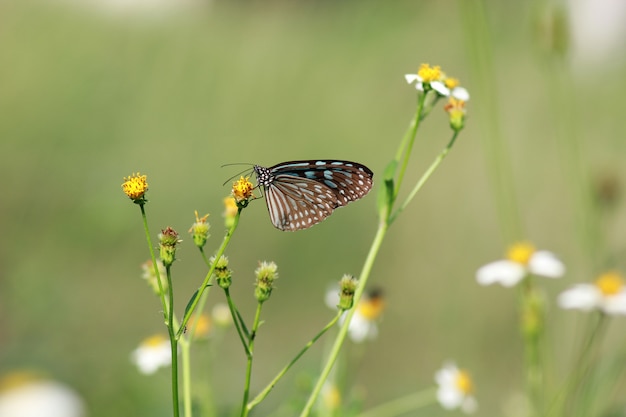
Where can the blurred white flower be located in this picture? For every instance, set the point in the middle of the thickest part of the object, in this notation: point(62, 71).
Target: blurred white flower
point(22, 394)
point(137, 8)
point(153, 353)
point(455, 389)
point(598, 30)
point(607, 294)
point(363, 325)
point(522, 259)
point(221, 315)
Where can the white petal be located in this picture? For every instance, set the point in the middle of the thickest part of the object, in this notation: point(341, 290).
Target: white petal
point(41, 399)
point(359, 328)
point(546, 264)
point(411, 78)
point(615, 304)
point(505, 272)
point(449, 398)
point(331, 298)
point(439, 87)
point(460, 93)
point(447, 375)
point(583, 297)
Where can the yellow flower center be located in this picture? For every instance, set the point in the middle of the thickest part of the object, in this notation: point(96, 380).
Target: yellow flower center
point(371, 308)
point(18, 379)
point(332, 397)
point(135, 186)
point(428, 73)
point(464, 382)
point(521, 253)
point(610, 283)
point(154, 341)
point(451, 82)
point(242, 189)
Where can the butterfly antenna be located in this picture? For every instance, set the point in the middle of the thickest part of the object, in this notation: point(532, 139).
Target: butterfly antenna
point(236, 175)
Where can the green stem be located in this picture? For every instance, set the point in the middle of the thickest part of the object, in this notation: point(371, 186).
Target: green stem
point(403, 405)
point(407, 142)
point(341, 335)
point(479, 47)
point(238, 321)
point(154, 262)
point(191, 332)
point(579, 368)
point(250, 354)
point(173, 343)
point(186, 364)
point(433, 166)
point(205, 283)
point(261, 396)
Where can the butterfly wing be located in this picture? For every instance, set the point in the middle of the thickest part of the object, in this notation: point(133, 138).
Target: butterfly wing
point(296, 203)
point(300, 194)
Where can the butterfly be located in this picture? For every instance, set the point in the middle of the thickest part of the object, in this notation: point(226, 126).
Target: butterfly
point(300, 194)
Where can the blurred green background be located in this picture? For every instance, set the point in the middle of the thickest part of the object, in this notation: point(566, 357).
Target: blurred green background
point(89, 95)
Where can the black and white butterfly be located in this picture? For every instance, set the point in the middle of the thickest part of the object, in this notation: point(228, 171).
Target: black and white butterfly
point(300, 194)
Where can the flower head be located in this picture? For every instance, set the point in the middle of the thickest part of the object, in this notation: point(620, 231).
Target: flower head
point(266, 273)
point(456, 111)
point(242, 191)
point(168, 239)
point(455, 389)
point(153, 353)
point(223, 274)
point(607, 294)
point(28, 394)
point(522, 259)
point(347, 287)
point(433, 78)
point(200, 230)
point(135, 186)
point(149, 274)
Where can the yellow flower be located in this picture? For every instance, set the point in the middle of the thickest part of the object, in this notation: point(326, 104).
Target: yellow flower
point(135, 186)
point(429, 74)
point(610, 283)
point(520, 253)
point(242, 189)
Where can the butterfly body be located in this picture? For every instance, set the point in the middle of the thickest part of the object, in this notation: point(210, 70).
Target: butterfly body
point(300, 194)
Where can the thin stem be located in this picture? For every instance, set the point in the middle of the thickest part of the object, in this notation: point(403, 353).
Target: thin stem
point(433, 166)
point(261, 396)
point(173, 343)
point(203, 299)
point(154, 262)
point(407, 142)
point(250, 354)
point(403, 405)
point(238, 321)
point(186, 364)
point(579, 369)
point(341, 335)
point(205, 283)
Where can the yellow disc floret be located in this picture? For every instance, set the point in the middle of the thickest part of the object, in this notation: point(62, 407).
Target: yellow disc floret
point(135, 186)
point(520, 253)
point(610, 283)
point(428, 73)
point(464, 382)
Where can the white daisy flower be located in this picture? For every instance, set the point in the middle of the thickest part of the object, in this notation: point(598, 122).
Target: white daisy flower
point(152, 354)
point(455, 389)
point(607, 294)
point(522, 259)
point(25, 395)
